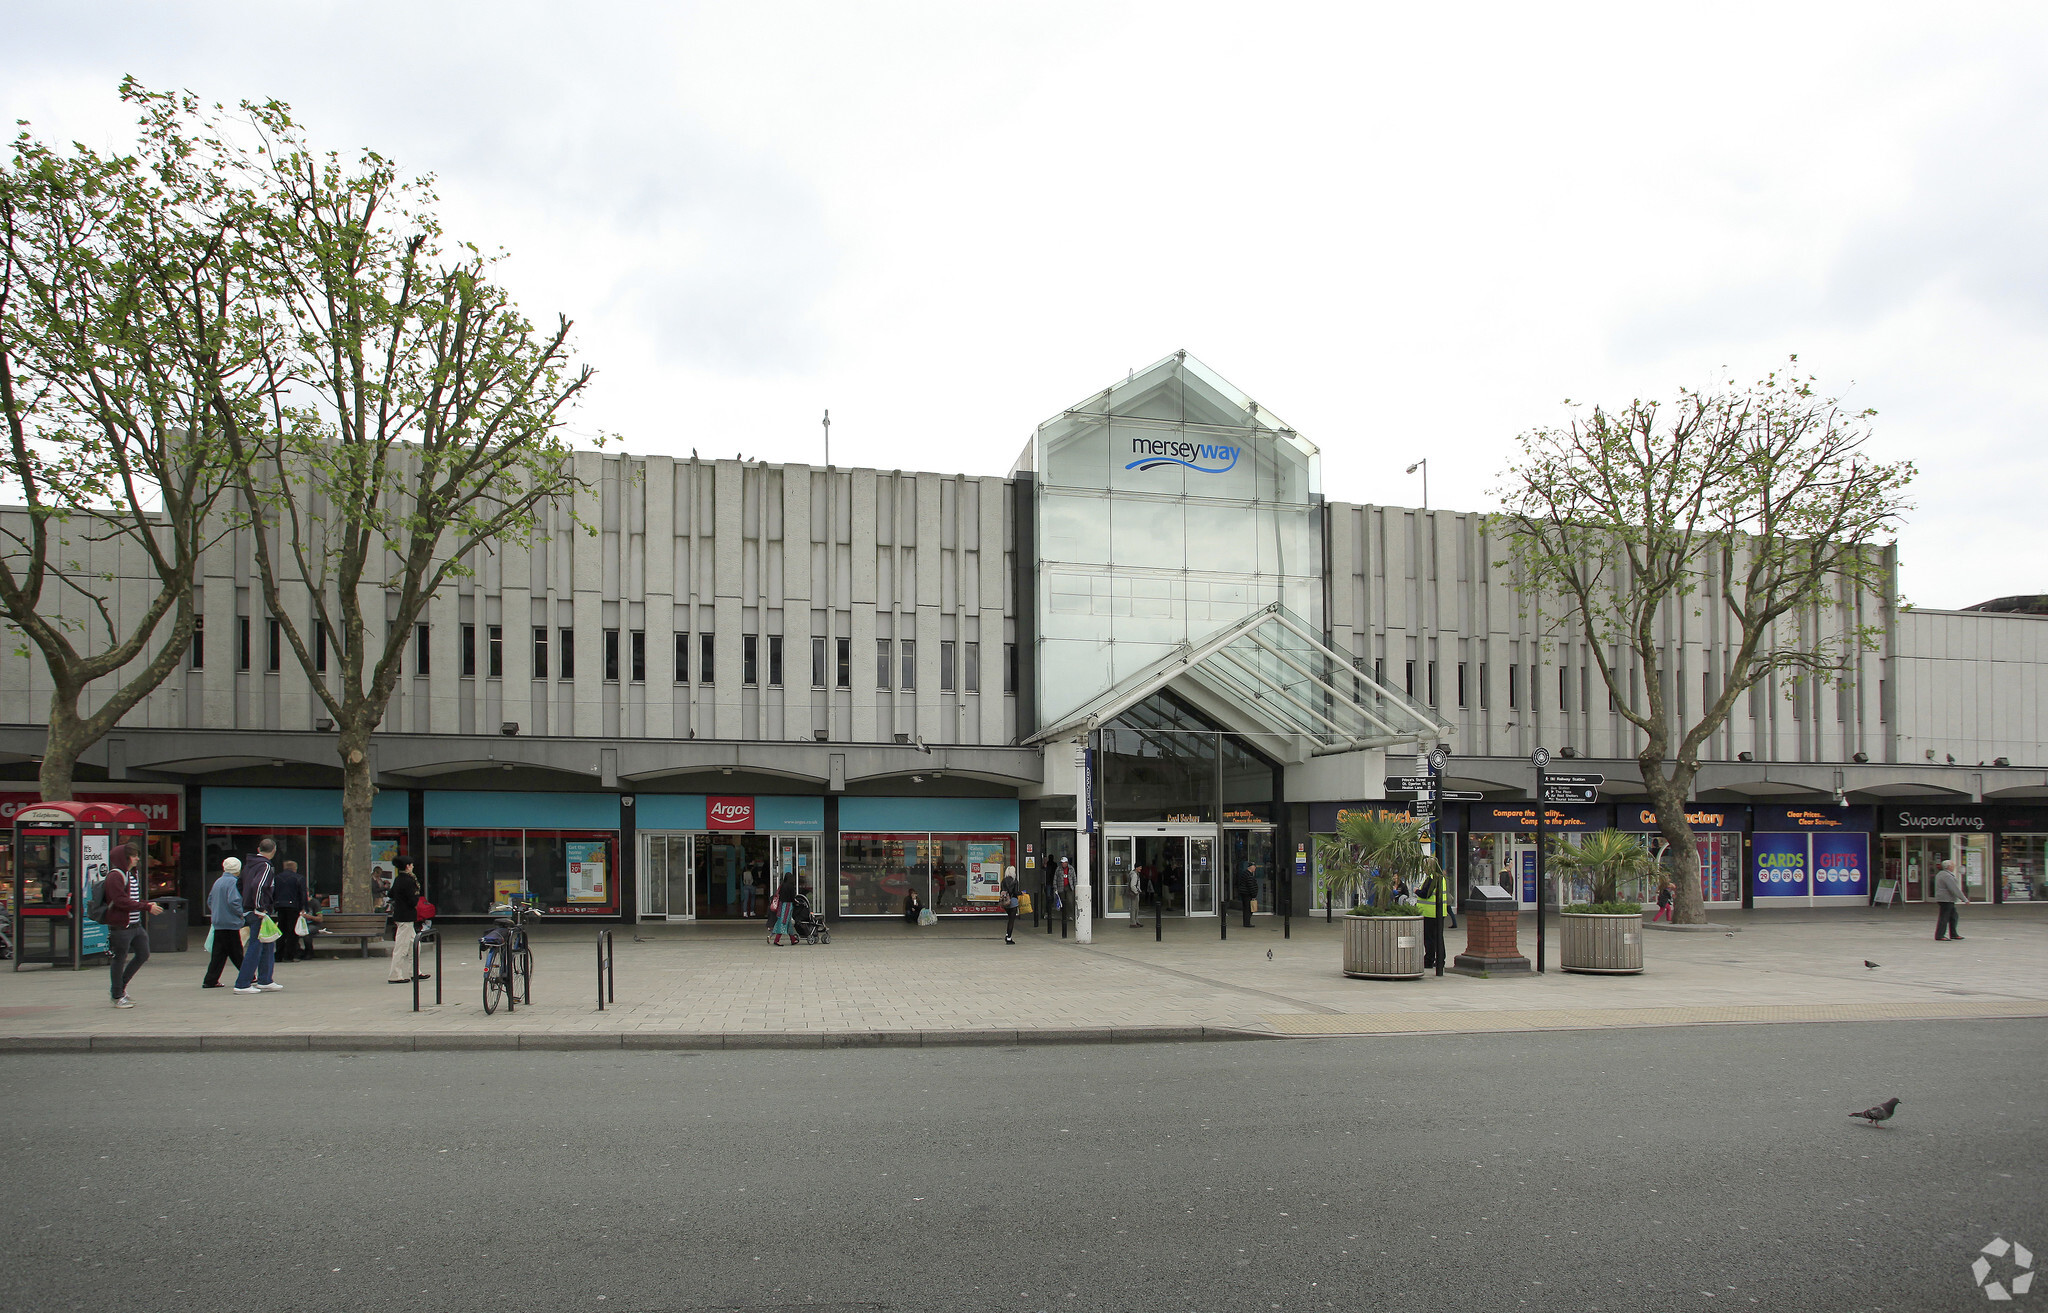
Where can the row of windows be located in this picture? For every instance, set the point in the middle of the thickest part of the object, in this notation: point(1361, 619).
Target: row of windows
point(1520, 691)
point(625, 656)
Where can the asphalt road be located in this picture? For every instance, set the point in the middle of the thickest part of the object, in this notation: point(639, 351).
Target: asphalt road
point(1649, 1169)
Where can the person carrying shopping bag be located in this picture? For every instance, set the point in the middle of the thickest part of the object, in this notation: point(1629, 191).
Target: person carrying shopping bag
point(224, 908)
point(259, 898)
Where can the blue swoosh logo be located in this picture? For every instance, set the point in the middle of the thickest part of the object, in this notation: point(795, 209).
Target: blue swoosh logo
point(1153, 462)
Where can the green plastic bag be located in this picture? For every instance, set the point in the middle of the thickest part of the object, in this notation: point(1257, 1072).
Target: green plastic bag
point(268, 931)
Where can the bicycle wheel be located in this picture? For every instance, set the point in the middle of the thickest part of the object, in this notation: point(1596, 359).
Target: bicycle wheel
point(524, 965)
point(494, 982)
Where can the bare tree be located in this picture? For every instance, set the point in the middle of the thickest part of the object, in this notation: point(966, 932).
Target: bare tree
point(1759, 501)
point(124, 334)
point(417, 418)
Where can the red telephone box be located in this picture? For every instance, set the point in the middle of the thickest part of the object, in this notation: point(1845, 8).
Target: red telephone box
point(62, 850)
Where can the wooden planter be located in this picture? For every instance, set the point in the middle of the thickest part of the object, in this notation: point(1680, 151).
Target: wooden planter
point(1383, 947)
point(1601, 944)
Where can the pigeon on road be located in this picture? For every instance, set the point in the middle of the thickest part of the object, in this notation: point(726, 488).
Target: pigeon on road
point(1872, 965)
point(1881, 1113)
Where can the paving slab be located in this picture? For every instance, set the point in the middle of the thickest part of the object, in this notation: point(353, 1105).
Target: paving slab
point(888, 984)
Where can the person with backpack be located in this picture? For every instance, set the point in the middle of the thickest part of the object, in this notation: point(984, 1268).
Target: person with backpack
point(258, 887)
point(224, 909)
point(405, 922)
point(120, 905)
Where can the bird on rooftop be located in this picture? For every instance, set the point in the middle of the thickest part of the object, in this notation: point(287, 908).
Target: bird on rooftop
point(1881, 1113)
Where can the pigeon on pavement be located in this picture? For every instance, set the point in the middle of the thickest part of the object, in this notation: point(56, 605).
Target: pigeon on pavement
point(1881, 1113)
point(1872, 965)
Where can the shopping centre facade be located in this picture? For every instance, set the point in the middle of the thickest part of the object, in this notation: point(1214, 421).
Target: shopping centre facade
point(884, 682)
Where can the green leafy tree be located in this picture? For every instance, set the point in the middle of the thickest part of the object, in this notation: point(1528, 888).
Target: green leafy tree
point(1614, 863)
point(418, 418)
point(1758, 505)
point(1372, 853)
point(126, 340)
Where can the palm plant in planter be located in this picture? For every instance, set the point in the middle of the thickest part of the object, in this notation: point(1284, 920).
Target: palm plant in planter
point(1382, 939)
point(1604, 935)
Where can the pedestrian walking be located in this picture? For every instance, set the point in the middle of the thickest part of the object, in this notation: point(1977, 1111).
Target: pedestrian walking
point(259, 893)
point(1948, 891)
point(1665, 893)
point(127, 924)
point(1011, 902)
point(404, 922)
point(224, 909)
point(291, 901)
point(783, 909)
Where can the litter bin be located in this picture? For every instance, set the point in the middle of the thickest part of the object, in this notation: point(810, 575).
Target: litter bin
point(168, 928)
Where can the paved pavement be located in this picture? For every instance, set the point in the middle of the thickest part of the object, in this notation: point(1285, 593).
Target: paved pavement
point(885, 983)
point(1587, 1170)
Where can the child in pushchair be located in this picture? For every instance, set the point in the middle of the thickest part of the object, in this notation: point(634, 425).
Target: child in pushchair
point(806, 927)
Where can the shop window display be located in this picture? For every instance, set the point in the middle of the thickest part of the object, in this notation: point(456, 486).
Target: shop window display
point(2023, 867)
point(953, 874)
point(566, 871)
point(318, 851)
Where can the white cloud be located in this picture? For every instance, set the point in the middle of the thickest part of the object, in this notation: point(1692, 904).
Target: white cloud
point(1410, 231)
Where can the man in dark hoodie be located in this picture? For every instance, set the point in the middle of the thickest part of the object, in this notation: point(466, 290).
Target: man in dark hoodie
point(127, 930)
point(259, 899)
point(291, 902)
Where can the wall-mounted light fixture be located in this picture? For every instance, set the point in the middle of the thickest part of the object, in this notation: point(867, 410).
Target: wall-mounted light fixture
point(509, 728)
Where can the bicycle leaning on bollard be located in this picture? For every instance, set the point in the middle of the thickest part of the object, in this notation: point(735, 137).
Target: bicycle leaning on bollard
point(508, 957)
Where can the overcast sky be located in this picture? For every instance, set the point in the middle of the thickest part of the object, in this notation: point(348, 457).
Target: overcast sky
point(1408, 233)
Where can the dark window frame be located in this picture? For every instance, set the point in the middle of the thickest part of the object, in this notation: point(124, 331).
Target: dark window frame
point(196, 656)
point(468, 655)
point(775, 660)
point(970, 667)
point(494, 651)
point(948, 652)
point(682, 671)
point(885, 664)
point(565, 662)
point(243, 637)
point(707, 658)
point(821, 669)
point(273, 646)
point(422, 649)
point(610, 655)
point(843, 674)
point(636, 655)
point(540, 651)
point(750, 660)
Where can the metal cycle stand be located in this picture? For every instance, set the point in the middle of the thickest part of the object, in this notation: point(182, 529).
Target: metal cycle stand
point(439, 975)
point(607, 969)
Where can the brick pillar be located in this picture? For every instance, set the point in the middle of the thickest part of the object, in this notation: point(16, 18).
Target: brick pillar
point(1489, 939)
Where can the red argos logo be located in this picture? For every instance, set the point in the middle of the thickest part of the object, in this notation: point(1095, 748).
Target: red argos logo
point(729, 813)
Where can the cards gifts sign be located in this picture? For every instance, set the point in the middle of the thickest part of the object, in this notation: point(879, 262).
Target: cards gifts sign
point(1841, 865)
point(1779, 863)
point(1825, 864)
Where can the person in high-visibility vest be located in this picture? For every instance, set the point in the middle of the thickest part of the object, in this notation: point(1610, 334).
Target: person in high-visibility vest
point(1429, 901)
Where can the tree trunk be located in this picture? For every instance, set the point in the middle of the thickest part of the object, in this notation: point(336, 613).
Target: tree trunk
point(1687, 908)
point(358, 796)
point(65, 740)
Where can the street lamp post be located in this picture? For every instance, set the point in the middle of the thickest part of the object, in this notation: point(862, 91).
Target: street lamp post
point(1422, 465)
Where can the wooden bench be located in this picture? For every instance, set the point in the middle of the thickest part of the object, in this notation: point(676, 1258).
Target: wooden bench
point(359, 926)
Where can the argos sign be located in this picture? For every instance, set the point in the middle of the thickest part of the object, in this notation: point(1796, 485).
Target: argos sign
point(729, 813)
